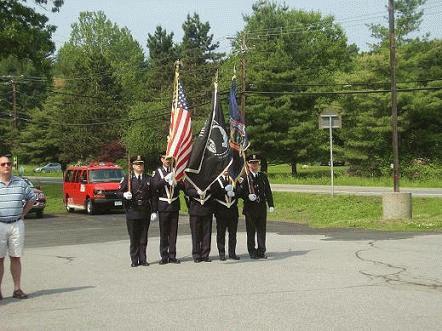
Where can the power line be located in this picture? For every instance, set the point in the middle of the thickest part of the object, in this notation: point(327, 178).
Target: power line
point(342, 92)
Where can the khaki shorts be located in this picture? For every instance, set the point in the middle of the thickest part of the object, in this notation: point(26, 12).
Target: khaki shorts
point(12, 238)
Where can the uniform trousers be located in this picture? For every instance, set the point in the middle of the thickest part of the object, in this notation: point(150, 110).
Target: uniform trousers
point(201, 228)
point(224, 223)
point(256, 224)
point(137, 229)
point(168, 232)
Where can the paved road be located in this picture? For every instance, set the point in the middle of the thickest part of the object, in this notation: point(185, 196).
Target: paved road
point(322, 189)
point(76, 269)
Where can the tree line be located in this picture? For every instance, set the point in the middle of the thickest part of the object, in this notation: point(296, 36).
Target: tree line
point(100, 96)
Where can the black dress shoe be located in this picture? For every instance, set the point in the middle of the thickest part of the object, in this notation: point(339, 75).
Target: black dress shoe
point(222, 257)
point(262, 256)
point(164, 261)
point(1, 296)
point(206, 259)
point(234, 257)
point(197, 260)
point(175, 261)
point(133, 265)
point(144, 264)
point(253, 256)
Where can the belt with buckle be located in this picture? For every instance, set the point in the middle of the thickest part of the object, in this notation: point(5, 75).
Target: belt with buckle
point(11, 221)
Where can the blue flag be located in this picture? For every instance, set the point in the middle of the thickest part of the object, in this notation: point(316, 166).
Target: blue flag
point(238, 138)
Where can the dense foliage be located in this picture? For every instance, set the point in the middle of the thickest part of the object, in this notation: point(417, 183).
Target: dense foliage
point(101, 96)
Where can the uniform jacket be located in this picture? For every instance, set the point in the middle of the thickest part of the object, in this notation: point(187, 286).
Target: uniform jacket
point(197, 205)
point(143, 201)
point(261, 187)
point(224, 206)
point(161, 187)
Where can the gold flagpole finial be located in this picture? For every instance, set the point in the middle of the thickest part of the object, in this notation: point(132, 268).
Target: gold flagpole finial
point(234, 72)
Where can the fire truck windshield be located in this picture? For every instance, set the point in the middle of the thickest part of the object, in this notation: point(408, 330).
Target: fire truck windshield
point(106, 175)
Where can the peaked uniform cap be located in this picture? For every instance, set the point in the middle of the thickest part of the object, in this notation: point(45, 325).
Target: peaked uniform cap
point(137, 159)
point(253, 158)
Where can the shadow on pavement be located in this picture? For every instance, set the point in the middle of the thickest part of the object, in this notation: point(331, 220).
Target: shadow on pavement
point(7, 300)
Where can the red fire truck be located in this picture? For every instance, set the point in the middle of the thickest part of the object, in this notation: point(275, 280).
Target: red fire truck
point(92, 187)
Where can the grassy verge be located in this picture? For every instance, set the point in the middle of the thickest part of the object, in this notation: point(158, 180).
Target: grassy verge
point(320, 175)
point(54, 198)
point(353, 212)
point(321, 210)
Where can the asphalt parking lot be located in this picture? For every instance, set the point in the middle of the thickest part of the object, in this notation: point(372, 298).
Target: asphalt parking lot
point(76, 270)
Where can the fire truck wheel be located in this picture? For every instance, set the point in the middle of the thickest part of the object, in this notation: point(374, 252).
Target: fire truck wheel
point(90, 208)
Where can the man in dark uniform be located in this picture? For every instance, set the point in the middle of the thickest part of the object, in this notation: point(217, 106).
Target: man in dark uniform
point(168, 202)
point(138, 205)
point(256, 192)
point(200, 217)
point(226, 214)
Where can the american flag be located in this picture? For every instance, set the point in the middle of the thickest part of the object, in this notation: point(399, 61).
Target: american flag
point(179, 141)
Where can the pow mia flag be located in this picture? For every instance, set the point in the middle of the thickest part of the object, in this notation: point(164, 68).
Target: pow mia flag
point(211, 154)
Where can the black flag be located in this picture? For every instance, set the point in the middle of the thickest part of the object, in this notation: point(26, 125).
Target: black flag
point(211, 154)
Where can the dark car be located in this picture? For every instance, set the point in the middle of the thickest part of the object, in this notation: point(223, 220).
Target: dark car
point(40, 203)
point(337, 163)
point(50, 167)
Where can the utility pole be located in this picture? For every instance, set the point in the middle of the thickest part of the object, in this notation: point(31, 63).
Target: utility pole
point(14, 104)
point(394, 120)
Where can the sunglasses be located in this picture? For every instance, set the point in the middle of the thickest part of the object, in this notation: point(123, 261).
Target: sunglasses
point(4, 164)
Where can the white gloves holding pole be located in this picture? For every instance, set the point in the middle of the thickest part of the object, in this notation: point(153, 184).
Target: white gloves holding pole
point(229, 190)
point(169, 178)
point(127, 195)
point(252, 197)
point(153, 217)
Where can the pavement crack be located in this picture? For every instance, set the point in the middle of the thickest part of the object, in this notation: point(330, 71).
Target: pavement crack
point(69, 259)
point(393, 277)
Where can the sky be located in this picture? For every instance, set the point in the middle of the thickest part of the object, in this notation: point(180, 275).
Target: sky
point(226, 16)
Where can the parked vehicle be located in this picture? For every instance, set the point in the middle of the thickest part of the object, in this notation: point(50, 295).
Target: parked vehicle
point(337, 163)
point(50, 167)
point(40, 202)
point(92, 187)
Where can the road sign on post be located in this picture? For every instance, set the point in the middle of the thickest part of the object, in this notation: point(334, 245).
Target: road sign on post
point(330, 120)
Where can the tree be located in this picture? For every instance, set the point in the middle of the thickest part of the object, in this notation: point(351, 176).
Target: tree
point(25, 33)
point(200, 61)
point(291, 48)
point(104, 74)
point(95, 34)
point(367, 130)
point(408, 17)
point(162, 55)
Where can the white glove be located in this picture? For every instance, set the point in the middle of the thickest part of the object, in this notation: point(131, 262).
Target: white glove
point(199, 192)
point(252, 197)
point(230, 194)
point(169, 178)
point(271, 209)
point(228, 188)
point(127, 195)
point(240, 180)
point(153, 217)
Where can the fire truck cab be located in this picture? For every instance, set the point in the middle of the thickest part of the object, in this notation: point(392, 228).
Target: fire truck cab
point(92, 187)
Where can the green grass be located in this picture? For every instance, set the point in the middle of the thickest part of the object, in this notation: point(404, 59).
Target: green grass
point(353, 212)
point(319, 210)
point(54, 197)
point(320, 175)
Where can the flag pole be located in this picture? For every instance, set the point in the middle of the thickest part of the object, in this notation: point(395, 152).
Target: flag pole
point(129, 173)
point(171, 189)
